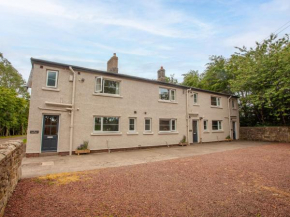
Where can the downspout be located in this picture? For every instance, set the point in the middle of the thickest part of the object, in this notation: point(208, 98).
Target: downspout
point(229, 116)
point(72, 111)
point(187, 116)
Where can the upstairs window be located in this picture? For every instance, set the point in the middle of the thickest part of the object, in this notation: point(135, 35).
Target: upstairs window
point(167, 94)
point(107, 86)
point(216, 125)
point(215, 101)
point(106, 124)
point(167, 125)
point(195, 98)
point(233, 104)
point(51, 79)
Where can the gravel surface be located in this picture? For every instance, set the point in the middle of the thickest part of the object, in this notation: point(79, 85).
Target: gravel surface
point(245, 182)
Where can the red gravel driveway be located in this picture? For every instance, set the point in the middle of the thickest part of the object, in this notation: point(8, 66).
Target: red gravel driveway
point(246, 182)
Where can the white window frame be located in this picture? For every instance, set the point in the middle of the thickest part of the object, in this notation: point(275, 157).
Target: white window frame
point(233, 103)
point(102, 117)
point(205, 121)
point(195, 94)
point(170, 94)
point(218, 100)
point(150, 119)
point(56, 78)
point(170, 124)
point(135, 123)
point(102, 85)
point(220, 125)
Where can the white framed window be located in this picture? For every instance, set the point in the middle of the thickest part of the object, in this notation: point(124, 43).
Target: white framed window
point(215, 101)
point(132, 124)
point(51, 78)
point(106, 124)
point(216, 125)
point(167, 94)
point(205, 125)
point(195, 98)
point(167, 125)
point(107, 86)
point(233, 104)
point(148, 125)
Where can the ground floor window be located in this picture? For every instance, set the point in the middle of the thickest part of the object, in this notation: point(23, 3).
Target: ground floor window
point(132, 124)
point(148, 124)
point(106, 124)
point(167, 125)
point(216, 125)
point(205, 123)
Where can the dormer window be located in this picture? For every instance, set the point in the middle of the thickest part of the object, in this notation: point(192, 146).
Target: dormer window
point(107, 86)
point(167, 94)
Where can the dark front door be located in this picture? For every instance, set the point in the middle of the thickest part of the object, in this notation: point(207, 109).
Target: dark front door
point(50, 133)
point(194, 131)
point(234, 130)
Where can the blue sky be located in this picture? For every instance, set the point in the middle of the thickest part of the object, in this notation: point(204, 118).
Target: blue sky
point(179, 35)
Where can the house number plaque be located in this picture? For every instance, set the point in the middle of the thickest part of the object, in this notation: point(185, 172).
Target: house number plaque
point(34, 131)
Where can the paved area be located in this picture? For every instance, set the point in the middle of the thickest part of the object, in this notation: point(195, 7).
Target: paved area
point(243, 182)
point(2, 140)
point(38, 166)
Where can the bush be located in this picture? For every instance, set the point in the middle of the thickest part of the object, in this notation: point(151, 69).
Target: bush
point(84, 146)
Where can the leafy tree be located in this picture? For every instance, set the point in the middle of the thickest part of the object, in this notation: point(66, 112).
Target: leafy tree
point(192, 79)
point(171, 79)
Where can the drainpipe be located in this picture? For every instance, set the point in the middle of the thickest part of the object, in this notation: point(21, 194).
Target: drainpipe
point(187, 116)
point(229, 116)
point(72, 111)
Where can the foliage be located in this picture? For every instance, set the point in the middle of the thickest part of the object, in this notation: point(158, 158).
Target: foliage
point(260, 76)
point(183, 139)
point(84, 146)
point(171, 79)
point(14, 102)
point(228, 137)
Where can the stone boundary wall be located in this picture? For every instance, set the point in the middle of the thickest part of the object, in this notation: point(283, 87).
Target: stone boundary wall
point(269, 134)
point(11, 154)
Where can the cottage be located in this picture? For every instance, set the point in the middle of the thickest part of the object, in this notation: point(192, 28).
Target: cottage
point(71, 104)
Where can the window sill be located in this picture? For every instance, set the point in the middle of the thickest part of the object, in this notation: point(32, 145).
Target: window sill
point(132, 133)
point(107, 134)
point(218, 107)
point(107, 95)
point(50, 89)
point(167, 101)
point(167, 133)
point(217, 131)
point(148, 133)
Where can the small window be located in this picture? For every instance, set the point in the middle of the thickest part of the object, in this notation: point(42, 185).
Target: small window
point(233, 103)
point(148, 124)
point(51, 80)
point(216, 125)
point(195, 98)
point(132, 124)
point(167, 94)
point(107, 86)
point(215, 101)
point(106, 124)
point(205, 127)
point(167, 125)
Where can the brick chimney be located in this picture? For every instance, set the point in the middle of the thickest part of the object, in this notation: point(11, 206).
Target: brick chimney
point(112, 64)
point(161, 74)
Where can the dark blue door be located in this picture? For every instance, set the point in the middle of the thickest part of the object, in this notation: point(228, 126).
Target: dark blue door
point(194, 131)
point(50, 133)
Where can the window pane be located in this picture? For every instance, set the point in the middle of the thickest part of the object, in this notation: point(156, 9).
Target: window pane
point(205, 125)
point(53, 130)
point(218, 101)
point(132, 124)
point(110, 124)
point(110, 127)
point(195, 98)
point(110, 120)
point(163, 94)
point(173, 95)
point(51, 79)
point(164, 125)
point(111, 87)
point(214, 125)
point(47, 130)
point(214, 101)
point(173, 125)
point(147, 124)
point(233, 103)
point(99, 85)
point(97, 124)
